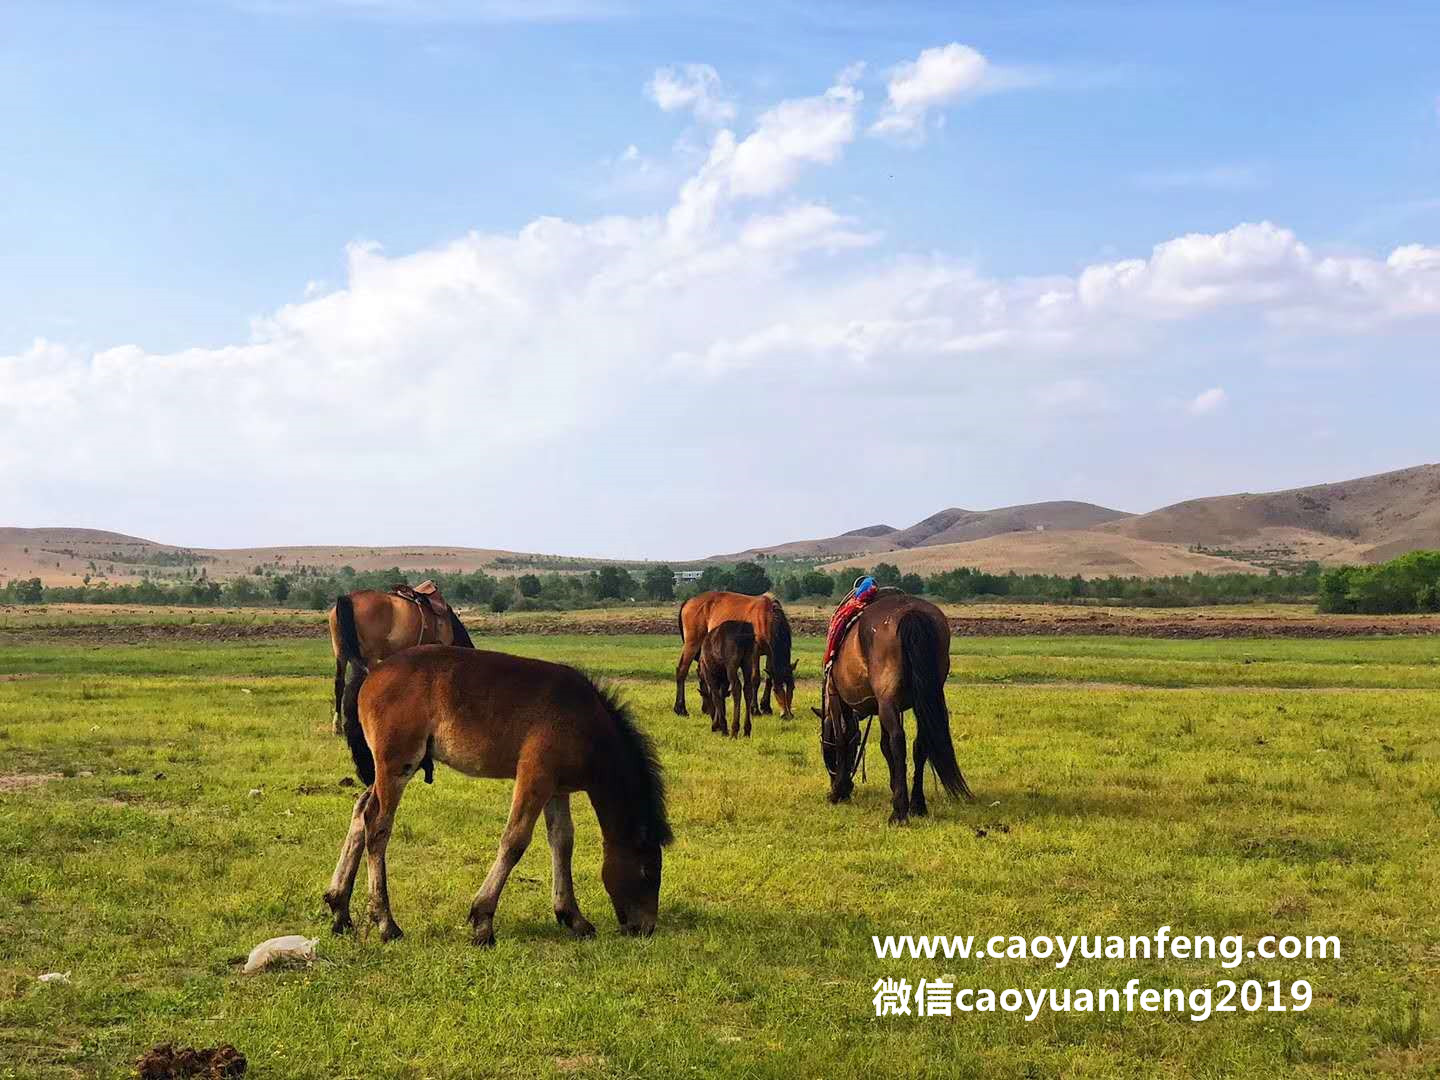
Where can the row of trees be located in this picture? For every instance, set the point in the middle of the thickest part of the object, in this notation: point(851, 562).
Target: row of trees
point(1410, 583)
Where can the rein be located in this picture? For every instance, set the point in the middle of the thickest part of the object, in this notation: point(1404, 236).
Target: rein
point(857, 761)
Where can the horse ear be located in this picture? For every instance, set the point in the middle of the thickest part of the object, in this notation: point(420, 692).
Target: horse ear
point(794, 667)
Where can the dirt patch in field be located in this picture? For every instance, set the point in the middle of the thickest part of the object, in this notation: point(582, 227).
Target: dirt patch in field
point(166, 1061)
point(13, 782)
point(1043, 621)
point(1191, 626)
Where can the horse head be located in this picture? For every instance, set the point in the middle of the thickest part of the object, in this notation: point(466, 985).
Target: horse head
point(839, 746)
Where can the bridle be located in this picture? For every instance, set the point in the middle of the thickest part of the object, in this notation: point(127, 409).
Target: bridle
point(838, 745)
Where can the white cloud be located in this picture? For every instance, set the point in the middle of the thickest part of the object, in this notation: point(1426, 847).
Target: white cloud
point(1207, 401)
point(552, 354)
point(804, 228)
point(939, 76)
point(788, 137)
point(1235, 177)
point(695, 87)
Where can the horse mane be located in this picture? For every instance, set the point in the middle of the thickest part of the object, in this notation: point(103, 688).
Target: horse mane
point(779, 636)
point(640, 778)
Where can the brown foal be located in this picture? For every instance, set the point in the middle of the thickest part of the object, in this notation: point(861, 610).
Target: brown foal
point(489, 714)
point(727, 661)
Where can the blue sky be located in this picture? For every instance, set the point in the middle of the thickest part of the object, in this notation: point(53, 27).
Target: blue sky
point(284, 220)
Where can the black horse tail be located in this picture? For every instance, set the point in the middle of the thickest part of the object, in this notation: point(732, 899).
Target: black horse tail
point(354, 733)
point(779, 639)
point(919, 644)
point(349, 637)
point(680, 619)
point(458, 634)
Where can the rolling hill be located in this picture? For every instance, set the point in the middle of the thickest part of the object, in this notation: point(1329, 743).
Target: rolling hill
point(945, 527)
point(1368, 519)
point(66, 556)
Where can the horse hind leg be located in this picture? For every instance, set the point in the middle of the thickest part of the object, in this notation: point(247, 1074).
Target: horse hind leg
point(892, 731)
point(764, 709)
point(918, 806)
point(342, 883)
point(749, 696)
point(531, 795)
point(682, 669)
point(379, 820)
point(737, 691)
point(338, 718)
point(560, 831)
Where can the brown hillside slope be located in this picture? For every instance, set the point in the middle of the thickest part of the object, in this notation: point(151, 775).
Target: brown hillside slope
point(1087, 553)
point(66, 556)
point(957, 526)
point(1370, 518)
point(947, 526)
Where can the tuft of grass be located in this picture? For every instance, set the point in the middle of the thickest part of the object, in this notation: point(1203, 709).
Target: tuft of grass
point(1403, 1027)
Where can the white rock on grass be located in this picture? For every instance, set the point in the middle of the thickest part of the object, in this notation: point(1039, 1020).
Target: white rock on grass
point(56, 977)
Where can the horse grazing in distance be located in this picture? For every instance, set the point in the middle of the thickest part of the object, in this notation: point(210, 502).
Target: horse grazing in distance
point(703, 613)
point(896, 656)
point(727, 657)
point(489, 714)
point(367, 626)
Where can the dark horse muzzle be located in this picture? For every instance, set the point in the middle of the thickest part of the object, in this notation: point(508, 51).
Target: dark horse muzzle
point(843, 749)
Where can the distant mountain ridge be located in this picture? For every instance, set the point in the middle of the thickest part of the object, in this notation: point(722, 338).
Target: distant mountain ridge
point(1368, 519)
point(948, 527)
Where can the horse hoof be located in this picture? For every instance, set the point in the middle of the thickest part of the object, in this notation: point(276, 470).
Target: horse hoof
point(680, 710)
point(483, 937)
point(899, 819)
point(919, 810)
point(577, 924)
point(390, 932)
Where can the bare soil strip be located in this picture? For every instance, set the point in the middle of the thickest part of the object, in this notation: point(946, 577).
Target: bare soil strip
point(1042, 622)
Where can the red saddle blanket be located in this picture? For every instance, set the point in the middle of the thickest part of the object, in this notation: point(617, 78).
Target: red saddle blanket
point(848, 611)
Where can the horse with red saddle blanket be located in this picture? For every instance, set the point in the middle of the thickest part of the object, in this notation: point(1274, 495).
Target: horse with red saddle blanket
point(888, 652)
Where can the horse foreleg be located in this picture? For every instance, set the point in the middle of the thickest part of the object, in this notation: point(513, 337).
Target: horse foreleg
point(525, 809)
point(765, 709)
point(342, 882)
point(379, 819)
point(682, 669)
point(560, 831)
point(892, 732)
point(918, 808)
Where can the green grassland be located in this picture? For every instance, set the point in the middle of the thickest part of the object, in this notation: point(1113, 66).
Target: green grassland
point(1218, 787)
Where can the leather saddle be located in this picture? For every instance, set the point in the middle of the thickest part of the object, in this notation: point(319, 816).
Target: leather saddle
point(425, 595)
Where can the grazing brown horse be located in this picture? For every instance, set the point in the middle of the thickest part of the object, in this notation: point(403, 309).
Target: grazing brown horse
point(368, 626)
point(895, 657)
point(703, 613)
point(727, 659)
point(489, 714)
